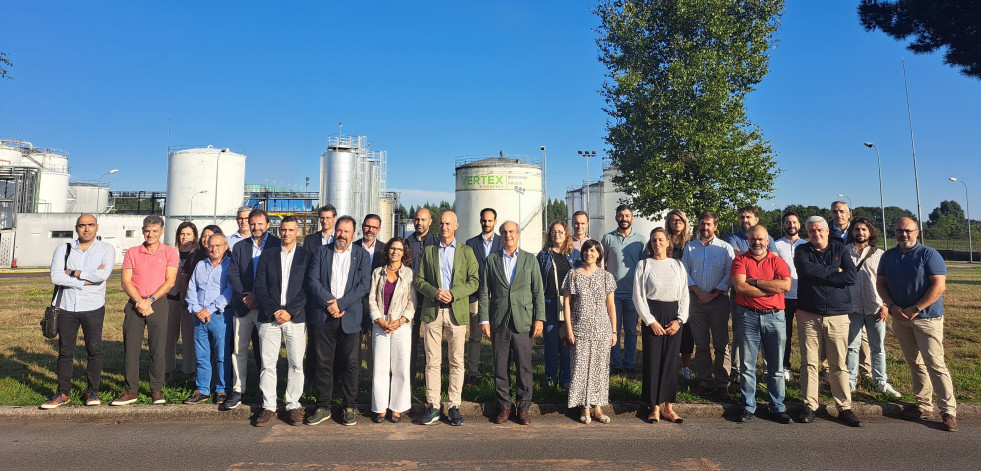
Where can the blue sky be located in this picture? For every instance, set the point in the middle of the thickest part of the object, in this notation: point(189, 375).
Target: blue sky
point(432, 81)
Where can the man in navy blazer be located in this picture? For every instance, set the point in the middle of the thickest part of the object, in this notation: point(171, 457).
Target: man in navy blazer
point(338, 277)
point(279, 289)
point(483, 244)
point(241, 275)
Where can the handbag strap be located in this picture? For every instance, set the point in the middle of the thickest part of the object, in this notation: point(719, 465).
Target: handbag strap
point(56, 294)
point(866, 257)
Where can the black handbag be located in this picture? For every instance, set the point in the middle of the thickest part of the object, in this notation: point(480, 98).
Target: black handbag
point(49, 323)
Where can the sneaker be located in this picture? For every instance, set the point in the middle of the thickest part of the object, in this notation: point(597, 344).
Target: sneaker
point(125, 399)
point(686, 372)
point(455, 417)
point(197, 398)
point(233, 401)
point(950, 422)
point(430, 416)
point(56, 400)
point(264, 417)
point(780, 417)
point(913, 412)
point(319, 415)
point(887, 389)
point(744, 416)
point(851, 387)
point(849, 418)
point(349, 417)
point(93, 399)
point(295, 416)
point(158, 397)
point(787, 375)
point(806, 415)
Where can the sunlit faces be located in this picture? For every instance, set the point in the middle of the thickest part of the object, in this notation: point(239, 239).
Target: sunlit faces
point(817, 234)
point(580, 224)
point(370, 228)
point(706, 228)
point(557, 234)
point(677, 224)
point(487, 222)
point(840, 214)
point(625, 218)
point(205, 234)
point(258, 225)
point(151, 233)
point(288, 231)
point(343, 234)
point(447, 225)
point(86, 227)
point(509, 236)
point(660, 244)
point(906, 233)
point(758, 240)
point(860, 233)
point(327, 220)
point(591, 256)
point(217, 246)
point(747, 219)
point(185, 237)
point(423, 220)
point(791, 225)
point(243, 221)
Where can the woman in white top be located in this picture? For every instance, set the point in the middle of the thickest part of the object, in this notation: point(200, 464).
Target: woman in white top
point(661, 299)
point(391, 304)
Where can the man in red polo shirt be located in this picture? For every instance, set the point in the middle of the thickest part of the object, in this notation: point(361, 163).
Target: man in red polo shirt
point(149, 271)
point(760, 278)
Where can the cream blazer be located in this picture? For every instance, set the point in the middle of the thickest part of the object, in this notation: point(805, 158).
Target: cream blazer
point(403, 299)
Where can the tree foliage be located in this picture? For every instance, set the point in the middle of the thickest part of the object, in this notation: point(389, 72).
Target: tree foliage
point(951, 25)
point(555, 210)
point(679, 72)
point(4, 65)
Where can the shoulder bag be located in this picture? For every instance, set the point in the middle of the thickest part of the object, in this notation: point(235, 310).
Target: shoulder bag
point(49, 323)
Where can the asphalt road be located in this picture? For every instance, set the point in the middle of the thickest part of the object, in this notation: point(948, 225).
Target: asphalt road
point(548, 443)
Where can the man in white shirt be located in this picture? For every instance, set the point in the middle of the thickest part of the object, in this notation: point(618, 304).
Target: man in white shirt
point(242, 219)
point(785, 247)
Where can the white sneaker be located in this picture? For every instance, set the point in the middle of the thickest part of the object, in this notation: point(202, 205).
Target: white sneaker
point(886, 388)
point(686, 372)
point(787, 375)
point(851, 386)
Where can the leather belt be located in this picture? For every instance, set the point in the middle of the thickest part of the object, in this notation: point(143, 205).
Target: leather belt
point(761, 311)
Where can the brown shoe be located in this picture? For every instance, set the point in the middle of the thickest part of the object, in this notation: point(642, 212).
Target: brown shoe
point(125, 399)
point(503, 417)
point(950, 422)
point(295, 416)
point(56, 401)
point(264, 417)
point(523, 417)
point(158, 397)
point(721, 393)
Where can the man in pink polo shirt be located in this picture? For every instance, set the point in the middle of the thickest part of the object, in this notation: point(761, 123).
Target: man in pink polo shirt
point(149, 271)
point(760, 277)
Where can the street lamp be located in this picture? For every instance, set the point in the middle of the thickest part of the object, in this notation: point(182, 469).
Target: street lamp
point(587, 154)
point(970, 245)
point(544, 189)
point(99, 185)
point(847, 198)
point(192, 202)
point(882, 206)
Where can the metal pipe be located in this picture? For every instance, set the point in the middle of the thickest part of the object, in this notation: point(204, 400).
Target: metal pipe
point(967, 203)
point(882, 206)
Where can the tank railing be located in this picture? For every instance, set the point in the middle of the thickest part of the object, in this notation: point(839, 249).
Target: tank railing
point(528, 159)
point(100, 184)
point(348, 141)
point(29, 148)
point(178, 148)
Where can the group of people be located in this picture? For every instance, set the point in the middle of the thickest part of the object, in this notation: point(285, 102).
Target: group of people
point(584, 295)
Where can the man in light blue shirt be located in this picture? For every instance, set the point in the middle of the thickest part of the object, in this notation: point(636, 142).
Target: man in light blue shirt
point(79, 270)
point(622, 249)
point(208, 294)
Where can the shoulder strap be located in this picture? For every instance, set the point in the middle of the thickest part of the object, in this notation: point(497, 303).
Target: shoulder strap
point(866, 257)
point(56, 293)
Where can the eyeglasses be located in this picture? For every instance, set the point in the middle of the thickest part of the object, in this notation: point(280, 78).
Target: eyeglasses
point(905, 231)
point(395, 249)
point(366, 227)
point(242, 219)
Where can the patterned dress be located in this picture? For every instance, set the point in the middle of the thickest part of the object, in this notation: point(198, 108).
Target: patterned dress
point(591, 325)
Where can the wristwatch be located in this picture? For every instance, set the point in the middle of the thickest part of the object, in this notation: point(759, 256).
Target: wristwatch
point(756, 282)
point(152, 299)
point(916, 309)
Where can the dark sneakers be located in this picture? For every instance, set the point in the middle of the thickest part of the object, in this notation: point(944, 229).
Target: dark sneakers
point(849, 418)
point(806, 415)
point(158, 397)
point(950, 422)
point(349, 417)
point(233, 401)
point(744, 416)
point(197, 398)
point(295, 416)
point(455, 417)
point(319, 415)
point(430, 416)
point(264, 417)
point(57, 400)
point(780, 417)
point(220, 399)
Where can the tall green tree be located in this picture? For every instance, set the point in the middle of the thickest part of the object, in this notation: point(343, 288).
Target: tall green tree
point(679, 72)
point(4, 65)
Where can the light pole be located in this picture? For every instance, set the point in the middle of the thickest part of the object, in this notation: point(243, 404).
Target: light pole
point(521, 193)
point(99, 185)
point(882, 205)
point(192, 202)
point(587, 154)
point(544, 190)
point(847, 198)
point(967, 203)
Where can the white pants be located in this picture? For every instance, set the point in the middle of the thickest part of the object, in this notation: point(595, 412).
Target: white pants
point(390, 385)
point(271, 336)
point(240, 348)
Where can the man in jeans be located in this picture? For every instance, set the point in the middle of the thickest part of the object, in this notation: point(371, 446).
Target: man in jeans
point(760, 278)
point(149, 271)
point(82, 284)
point(208, 295)
point(622, 249)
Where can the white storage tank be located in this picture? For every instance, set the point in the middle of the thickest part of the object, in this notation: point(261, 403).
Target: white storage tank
point(88, 198)
point(386, 211)
point(9, 154)
point(340, 169)
point(491, 183)
point(53, 184)
point(611, 199)
point(204, 185)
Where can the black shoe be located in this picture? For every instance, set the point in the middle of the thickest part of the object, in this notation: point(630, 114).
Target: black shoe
point(781, 417)
point(455, 417)
point(849, 418)
point(806, 415)
point(430, 416)
point(471, 381)
point(233, 401)
point(196, 398)
point(744, 416)
point(378, 418)
point(349, 417)
point(701, 390)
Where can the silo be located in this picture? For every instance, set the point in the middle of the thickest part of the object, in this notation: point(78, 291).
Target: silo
point(611, 199)
point(89, 197)
point(9, 155)
point(204, 185)
point(386, 210)
point(491, 183)
point(340, 170)
point(53, 184)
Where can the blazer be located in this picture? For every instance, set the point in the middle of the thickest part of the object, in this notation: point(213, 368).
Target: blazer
point(523, 299)
point(240, 273)
point(318, 288)
point(466, 280)
point(269, 284)
point(379, 248)
point(312, 241)
point(403, 299)
point(477, 244)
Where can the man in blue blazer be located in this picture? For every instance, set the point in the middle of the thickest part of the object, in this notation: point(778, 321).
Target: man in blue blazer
point(483, 244)
point(338, 277)
point(279, 289)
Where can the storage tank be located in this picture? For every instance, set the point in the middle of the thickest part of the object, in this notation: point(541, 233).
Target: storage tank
point(89, 198)
point(490, 183)
point(611, 199)
point(9, 154)
point(340, 170)
point(204, 185)
point(53, 184)
point(386, 210)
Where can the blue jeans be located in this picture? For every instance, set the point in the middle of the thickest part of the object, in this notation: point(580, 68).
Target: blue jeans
point(751, 330)
point(556, 355)
point(877, 336)
point(213, 337)
point(626, 322)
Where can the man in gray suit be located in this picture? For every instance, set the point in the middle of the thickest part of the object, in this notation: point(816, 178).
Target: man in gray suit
point(512, 313)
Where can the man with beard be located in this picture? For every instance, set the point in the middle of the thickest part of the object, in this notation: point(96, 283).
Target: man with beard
point(785, 248)
point(418, 241)
point(483, 244)
point(622, 249)
point(748, 217)
point(911, 280)
point(760, 278)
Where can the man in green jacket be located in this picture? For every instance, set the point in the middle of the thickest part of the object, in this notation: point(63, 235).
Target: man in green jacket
point(447, 276)
point(512, 313)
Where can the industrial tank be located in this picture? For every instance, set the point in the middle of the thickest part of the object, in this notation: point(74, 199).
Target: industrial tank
point(204, 185)
point(53, 184)
point(611, 199)
point(339, 171)
point(9, 155)
point(386, 211)
point(512, 187)
point(88, 198)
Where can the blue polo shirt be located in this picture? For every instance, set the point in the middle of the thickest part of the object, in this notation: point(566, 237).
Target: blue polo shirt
point(907, 276)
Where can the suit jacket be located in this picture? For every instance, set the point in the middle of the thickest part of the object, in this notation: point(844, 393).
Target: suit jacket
point(523, 299)
point(269, 284)
point(477, 244)
point(466, 280)
point(377, 260)
point(240, 273)
point(318, 288)
point(312, 241)
point(403, 301)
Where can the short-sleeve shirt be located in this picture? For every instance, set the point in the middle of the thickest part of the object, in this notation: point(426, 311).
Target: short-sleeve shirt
point(769, 268)
point(908, 276)
point(150, 269)
point(622, 255)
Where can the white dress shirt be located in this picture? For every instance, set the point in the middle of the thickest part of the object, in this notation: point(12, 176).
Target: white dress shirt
point(339, 271)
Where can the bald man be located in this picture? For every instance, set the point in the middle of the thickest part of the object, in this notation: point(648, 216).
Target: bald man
point(418, 241)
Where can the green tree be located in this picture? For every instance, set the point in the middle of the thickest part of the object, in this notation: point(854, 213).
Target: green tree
point(4, 65)
point(555, 210)
point(679, 72)
point(951, 25)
